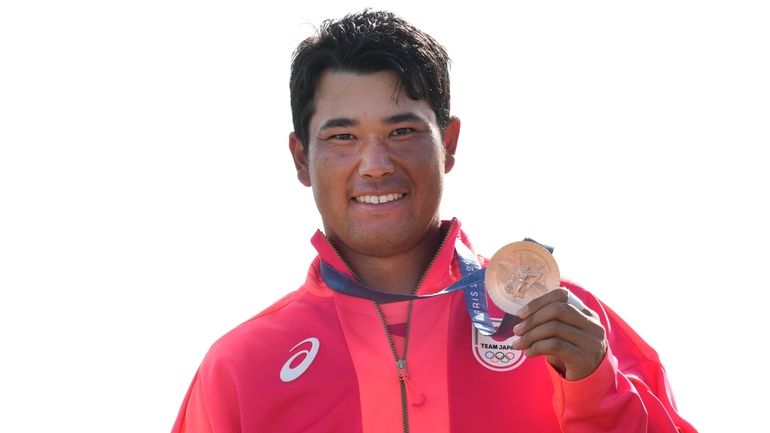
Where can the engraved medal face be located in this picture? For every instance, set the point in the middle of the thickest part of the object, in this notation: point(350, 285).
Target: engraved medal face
point(518, 273)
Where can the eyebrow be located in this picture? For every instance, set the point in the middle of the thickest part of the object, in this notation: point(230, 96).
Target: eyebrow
point(339, 122)
point(344, 122)
point(403, 117)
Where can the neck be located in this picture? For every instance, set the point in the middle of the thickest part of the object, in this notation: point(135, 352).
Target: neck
point(399, 273)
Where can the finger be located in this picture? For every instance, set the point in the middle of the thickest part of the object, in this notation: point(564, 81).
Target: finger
point(557, 348)
point(581, 339)
point(574, 352)
point(557, 295)
point(571, 361)
point(578, 303)
point(561, 312)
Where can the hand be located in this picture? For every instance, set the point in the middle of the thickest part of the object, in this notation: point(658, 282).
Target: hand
point(572, 337)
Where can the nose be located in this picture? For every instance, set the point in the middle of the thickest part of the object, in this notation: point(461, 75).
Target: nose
point(375, 159)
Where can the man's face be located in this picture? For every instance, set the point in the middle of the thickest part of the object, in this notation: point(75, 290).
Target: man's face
point(376, 161)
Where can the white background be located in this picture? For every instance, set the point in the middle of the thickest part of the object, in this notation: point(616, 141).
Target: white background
point(148, 202)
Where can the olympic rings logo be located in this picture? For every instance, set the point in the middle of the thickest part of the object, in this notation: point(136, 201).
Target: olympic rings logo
point(499, 357)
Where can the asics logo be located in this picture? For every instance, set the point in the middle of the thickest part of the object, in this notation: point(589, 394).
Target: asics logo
point(289, 373)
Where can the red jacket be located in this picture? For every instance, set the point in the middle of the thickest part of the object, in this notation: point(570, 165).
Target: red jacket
point(319, 361)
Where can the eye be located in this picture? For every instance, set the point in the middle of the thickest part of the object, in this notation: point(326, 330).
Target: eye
point(343, 137)
point(401, 131)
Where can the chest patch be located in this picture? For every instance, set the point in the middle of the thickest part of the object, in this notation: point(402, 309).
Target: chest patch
point(496, 355)
point(299, 362)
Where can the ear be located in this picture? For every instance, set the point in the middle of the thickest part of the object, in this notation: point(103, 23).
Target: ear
point(300, 159)
point(451, 135)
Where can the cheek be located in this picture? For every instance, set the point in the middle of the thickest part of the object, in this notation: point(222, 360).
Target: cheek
point(422, 154)
point(428, 166)
point(319, 166)
point(328, 175)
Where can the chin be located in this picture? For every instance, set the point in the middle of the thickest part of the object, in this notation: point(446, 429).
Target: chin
point(382, 243)
point(387, 239)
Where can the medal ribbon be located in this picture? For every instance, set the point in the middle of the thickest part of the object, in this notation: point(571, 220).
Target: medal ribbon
point(471, 282)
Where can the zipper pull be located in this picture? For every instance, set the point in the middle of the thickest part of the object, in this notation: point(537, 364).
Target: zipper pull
point(416, 396)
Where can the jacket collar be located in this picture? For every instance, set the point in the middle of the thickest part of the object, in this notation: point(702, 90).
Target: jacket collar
point(442, 272)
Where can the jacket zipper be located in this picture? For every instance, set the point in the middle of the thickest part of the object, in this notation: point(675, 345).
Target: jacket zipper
point(403, 377)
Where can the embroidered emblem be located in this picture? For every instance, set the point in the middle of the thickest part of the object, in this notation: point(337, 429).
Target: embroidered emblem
point(496, 355)
point(291, 372)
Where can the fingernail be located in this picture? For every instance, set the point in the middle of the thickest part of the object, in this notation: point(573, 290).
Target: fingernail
point(516, 342)
point(517, 329)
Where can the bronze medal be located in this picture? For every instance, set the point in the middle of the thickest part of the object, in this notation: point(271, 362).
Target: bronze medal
point(520, 272)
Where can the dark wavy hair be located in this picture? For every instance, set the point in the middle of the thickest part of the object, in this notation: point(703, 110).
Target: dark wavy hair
point(368, 42)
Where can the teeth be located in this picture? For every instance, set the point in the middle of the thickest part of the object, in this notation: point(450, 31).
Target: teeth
point(377, 199)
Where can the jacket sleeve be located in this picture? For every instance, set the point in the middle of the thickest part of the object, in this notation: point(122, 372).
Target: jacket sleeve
point(628, 392)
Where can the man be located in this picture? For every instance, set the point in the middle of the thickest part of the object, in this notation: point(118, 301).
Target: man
point(373, 137)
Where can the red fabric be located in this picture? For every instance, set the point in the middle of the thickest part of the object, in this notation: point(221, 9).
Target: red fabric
point(351, 385)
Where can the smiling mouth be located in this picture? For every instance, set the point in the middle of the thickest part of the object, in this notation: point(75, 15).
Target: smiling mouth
point(378, 199)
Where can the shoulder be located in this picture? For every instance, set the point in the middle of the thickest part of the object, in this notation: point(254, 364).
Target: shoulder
point(266, 334)
point(255, 338)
